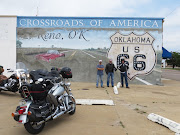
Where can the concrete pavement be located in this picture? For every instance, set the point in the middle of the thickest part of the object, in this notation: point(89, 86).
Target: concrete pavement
point(127, 117)
point(171, 74)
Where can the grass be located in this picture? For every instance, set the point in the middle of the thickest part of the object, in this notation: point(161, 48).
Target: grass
point(143, 112)
point(154, 102)
point(172, 68)
point(121, 124)
point(107, 91)
point(139, 111)
point(136, 109)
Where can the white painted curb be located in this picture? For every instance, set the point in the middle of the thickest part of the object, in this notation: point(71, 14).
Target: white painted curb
point(94, 102)
point(115, 90)
point(118, 85)
point(173, 126)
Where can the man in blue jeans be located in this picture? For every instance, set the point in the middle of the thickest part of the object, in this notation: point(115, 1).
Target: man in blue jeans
point(123, 67)
point(100, 69)
point(110, 72)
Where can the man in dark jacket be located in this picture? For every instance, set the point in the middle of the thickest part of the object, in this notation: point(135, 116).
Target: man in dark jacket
point(123, 67)
point(110, 72)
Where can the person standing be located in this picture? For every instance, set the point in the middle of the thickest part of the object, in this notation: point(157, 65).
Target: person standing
point(1, 69)
point(110, 72)
point(100, 69)
point(123, 67)
point(2, 77)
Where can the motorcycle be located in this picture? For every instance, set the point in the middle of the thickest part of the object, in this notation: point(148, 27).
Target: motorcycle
point(15, 81)
point(46, 98)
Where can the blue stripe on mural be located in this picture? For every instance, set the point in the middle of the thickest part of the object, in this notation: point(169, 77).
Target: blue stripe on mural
point(88, 22)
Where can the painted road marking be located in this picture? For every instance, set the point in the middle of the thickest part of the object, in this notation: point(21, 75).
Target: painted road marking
point(143, 81)
point(97, 54)
point(94, 102)
point(88, 54)
point(72, 54)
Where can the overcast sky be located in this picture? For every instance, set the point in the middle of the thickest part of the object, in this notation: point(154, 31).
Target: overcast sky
point(169, 9)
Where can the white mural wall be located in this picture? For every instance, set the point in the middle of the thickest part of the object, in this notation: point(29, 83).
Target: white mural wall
point(8, 42)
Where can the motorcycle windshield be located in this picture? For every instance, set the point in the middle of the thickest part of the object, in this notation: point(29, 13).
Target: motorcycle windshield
point(21, 65)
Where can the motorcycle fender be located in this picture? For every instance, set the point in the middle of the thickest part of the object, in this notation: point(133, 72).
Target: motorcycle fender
point(67, 98)
point(23, 118)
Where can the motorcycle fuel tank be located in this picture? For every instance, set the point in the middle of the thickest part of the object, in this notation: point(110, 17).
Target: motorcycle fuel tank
point(58, 91)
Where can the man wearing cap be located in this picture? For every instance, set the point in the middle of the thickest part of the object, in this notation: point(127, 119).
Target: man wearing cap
point(100, 69)
point(110, 72)
point(123, 67)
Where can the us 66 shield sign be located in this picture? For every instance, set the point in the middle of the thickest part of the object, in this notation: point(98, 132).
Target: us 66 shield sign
point(137, 50)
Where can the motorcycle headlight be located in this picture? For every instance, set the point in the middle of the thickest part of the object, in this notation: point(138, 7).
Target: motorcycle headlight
point(23, 75)
point(28, 75)
point(68, 84)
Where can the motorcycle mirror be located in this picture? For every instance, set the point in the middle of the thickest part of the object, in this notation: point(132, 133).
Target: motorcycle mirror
point(68, 84)
point(40, 80)
point(10, 70)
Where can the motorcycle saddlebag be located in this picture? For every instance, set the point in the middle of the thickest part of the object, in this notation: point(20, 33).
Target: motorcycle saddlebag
point(38, 92)
point(66, 72)
point(40, 110)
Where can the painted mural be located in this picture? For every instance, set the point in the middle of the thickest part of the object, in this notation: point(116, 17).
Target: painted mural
point(80, 43)
point(136, 49)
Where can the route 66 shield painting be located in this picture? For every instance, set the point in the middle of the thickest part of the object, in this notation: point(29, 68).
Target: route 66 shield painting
point(137, 50)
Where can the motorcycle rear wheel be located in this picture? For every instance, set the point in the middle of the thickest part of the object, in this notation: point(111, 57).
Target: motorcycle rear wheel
point(32, 128)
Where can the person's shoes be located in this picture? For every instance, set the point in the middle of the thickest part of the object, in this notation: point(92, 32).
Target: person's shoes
point(96, 86)
point(112, 86)
point(127, 87)
point(107, 86)
point(122, 86)
point(102, 86)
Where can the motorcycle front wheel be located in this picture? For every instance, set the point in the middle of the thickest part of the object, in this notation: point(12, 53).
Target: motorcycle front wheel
point(73, 105)
point(32, 128)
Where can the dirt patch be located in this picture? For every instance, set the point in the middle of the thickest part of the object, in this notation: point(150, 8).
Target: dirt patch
point(85, 89)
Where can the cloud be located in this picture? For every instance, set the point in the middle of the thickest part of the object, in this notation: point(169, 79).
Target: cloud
point(103, 8)
point(70, 7)
point(171, 31)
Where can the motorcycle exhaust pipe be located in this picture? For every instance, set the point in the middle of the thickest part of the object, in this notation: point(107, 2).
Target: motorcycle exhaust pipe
point(58, 115)
point(48, 118)
point(3, 88)
point(61, 113)
point(52, 116)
